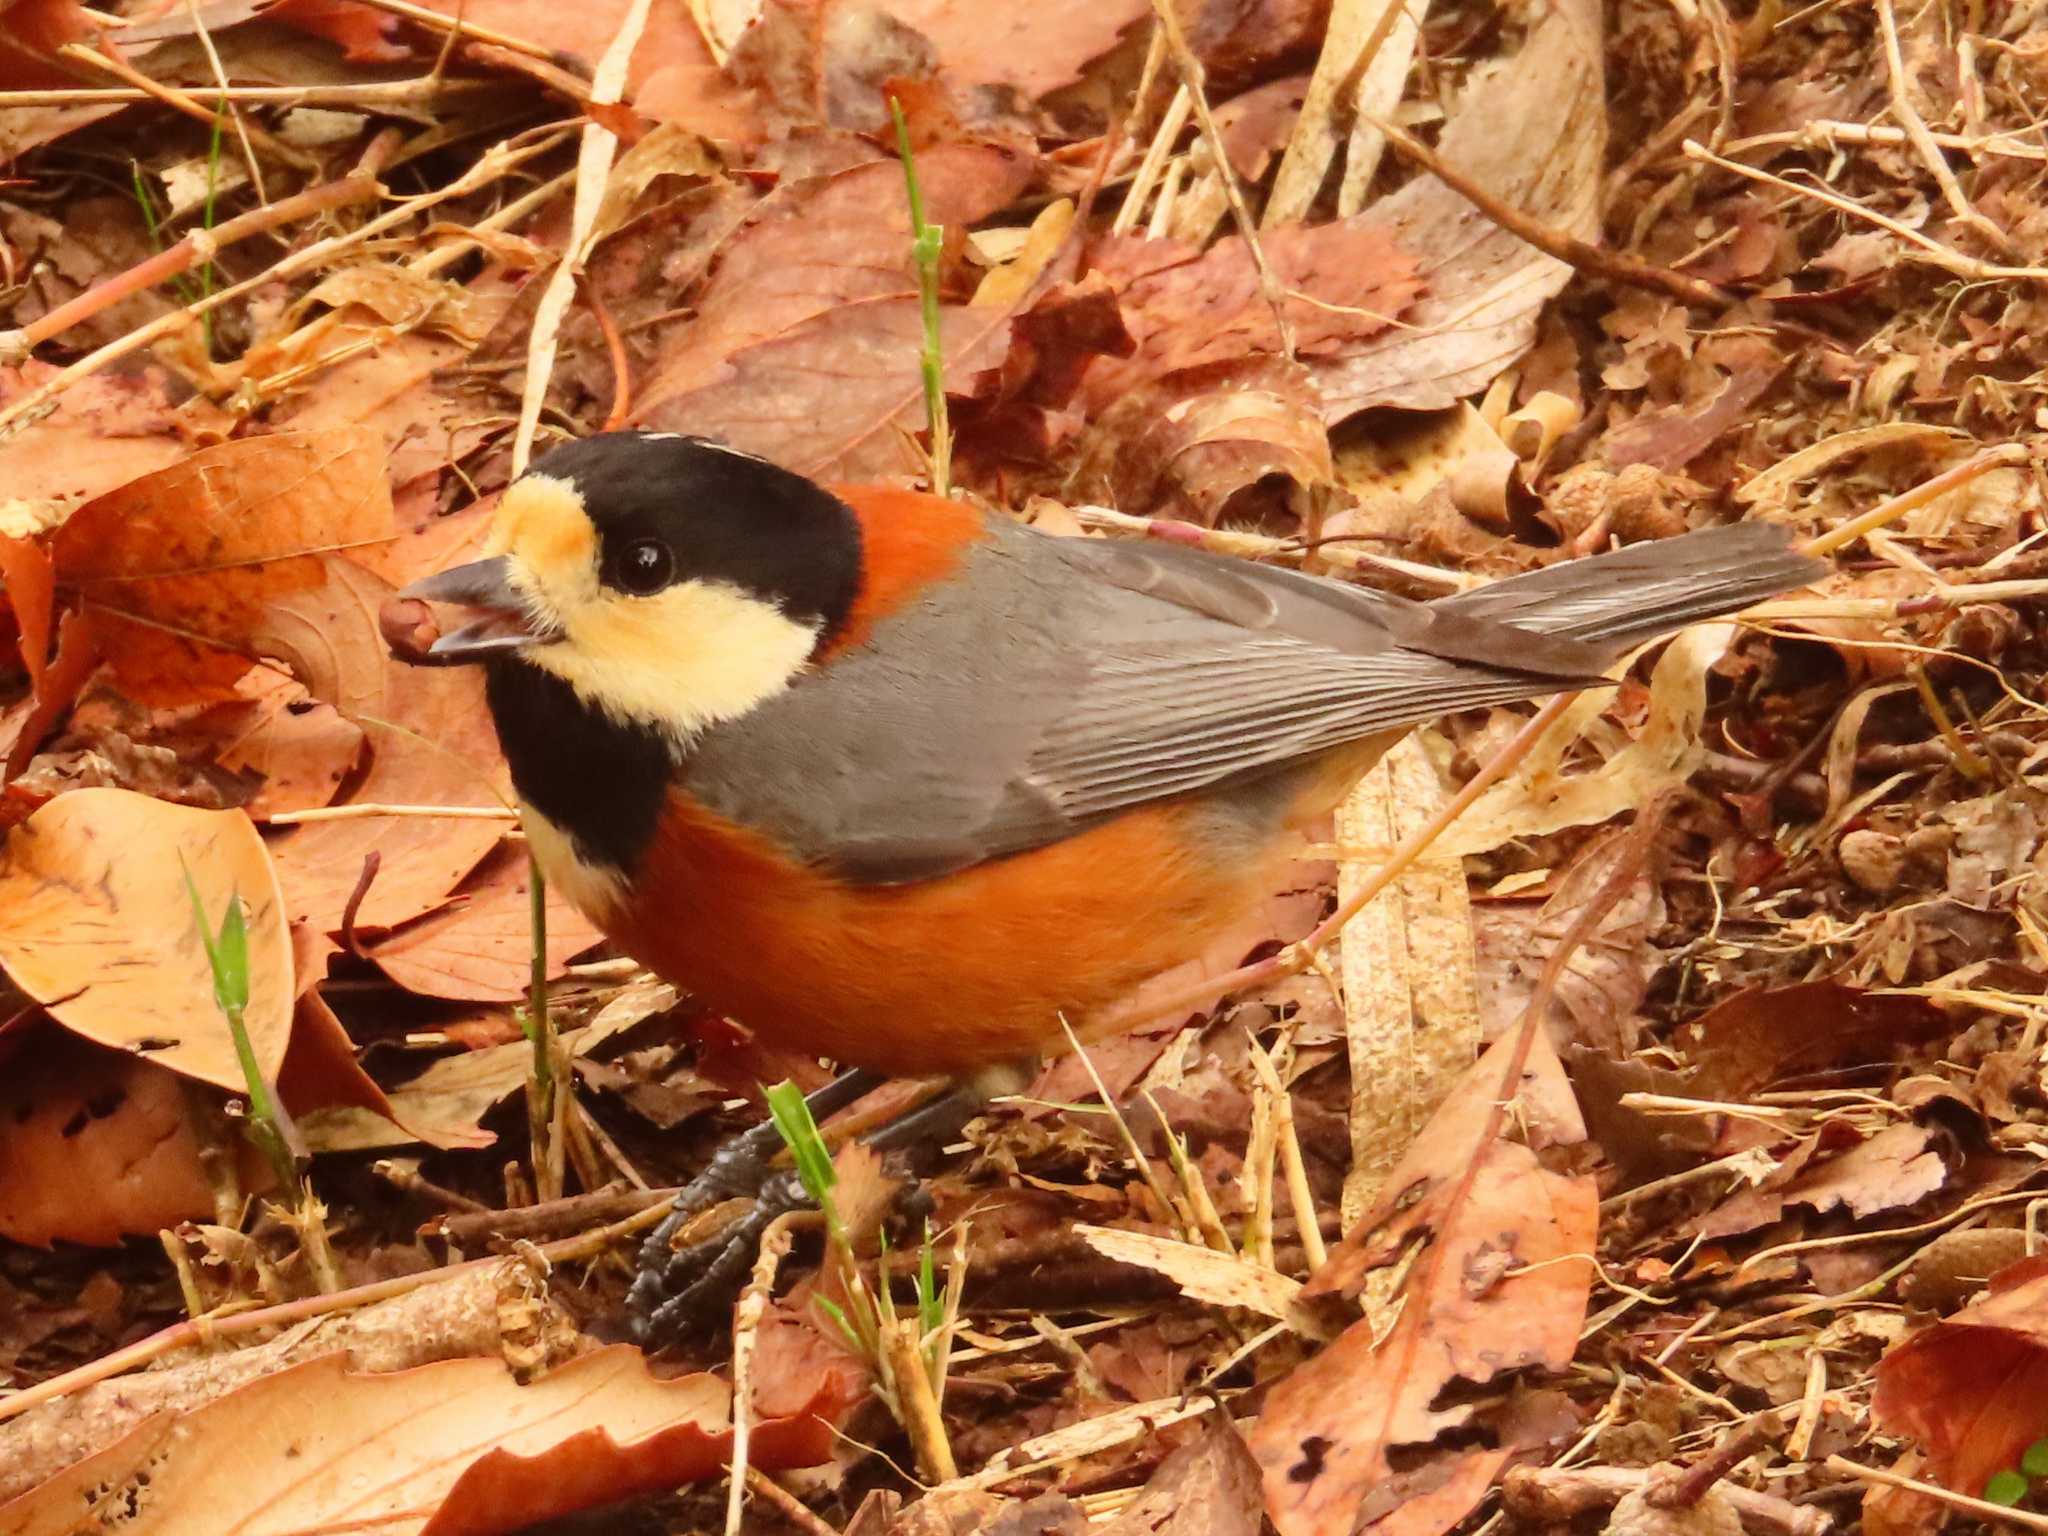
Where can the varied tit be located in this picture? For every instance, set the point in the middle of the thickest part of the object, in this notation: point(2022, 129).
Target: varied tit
point(901, 783)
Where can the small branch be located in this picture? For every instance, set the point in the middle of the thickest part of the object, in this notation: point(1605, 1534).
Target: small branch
point(1191, 76)
point(197, 248)
point(1928, 490)
point(1983, 1509)
point(364, 812)
point(1556, 1495)
point(386, 94)
point(455, 26)
point(181, 101)
point(1688, 1487)
point(1937, 253)
point(1570, 249)
point(1915, 126)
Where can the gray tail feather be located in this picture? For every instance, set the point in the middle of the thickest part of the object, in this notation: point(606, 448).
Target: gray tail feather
point(1627, 596)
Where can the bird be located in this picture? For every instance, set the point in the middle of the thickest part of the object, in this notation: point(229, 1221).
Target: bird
point(905, 784)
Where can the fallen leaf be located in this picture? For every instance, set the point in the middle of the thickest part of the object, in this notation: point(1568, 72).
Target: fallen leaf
point(1207, 1488)
point(430, 743)
point(101, 932)
point(97, 1146)
point(1034, 49)
point(1343, 282)
point(479, 947)
point(1760, 1036)
point(1970, 1388)
point(179, 566)
point(1531, 129)
point(1190, 443)
point(1495, 1247)
point(1895, 1168)
point(812, 246)
point(105, 431)
point(449, 1100)
point(456, 1448)
point(1220, 1279)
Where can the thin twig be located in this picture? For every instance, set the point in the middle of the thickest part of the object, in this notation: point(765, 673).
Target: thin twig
point(439, 21)
point(1909, 118)
point(1570, 249)
point(1940, 255)
point(181, 101)
point(196, 248)
point(220, 79)
point(384, 94)
point(1191, 75)
point(1983, 1509)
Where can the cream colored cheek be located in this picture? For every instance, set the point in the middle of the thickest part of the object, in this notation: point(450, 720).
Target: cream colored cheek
point(595, 890)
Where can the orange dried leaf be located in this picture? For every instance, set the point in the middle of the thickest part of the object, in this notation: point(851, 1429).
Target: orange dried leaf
point(457, 1448)
point(478, 948)
point(100, 928)
point(97, 1146)
point(30, 587)
point(186, 560)
point(1973, 1389)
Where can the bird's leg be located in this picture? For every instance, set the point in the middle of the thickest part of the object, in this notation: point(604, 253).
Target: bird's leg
point(681, 1291)
point(737, 1168)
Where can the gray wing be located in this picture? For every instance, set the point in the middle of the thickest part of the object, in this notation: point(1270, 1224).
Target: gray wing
point(1066, 680)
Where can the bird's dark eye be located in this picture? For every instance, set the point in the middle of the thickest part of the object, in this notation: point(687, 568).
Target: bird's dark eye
point(645, 566)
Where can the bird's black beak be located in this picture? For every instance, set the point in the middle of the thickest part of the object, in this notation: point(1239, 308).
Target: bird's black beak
point(503, 628)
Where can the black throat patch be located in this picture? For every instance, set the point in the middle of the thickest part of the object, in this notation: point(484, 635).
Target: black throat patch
point(601, 782)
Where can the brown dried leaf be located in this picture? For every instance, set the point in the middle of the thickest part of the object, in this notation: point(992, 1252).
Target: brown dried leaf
point(1897, 1167)
point(1207, 1488)
point(1477, 1220)
point(182, 562)
point(815, 244)
point(1531, 129)
point(430, 743)
point(1035, 49)
point(100, 928)
point(456, 1448)
point(96, 1146)
point(1971, 1388)
point(1191, 442)
point(479, 947)
point(106, 430)
point(1757, 1037)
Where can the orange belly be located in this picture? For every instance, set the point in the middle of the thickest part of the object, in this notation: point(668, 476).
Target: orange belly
point(941, 976)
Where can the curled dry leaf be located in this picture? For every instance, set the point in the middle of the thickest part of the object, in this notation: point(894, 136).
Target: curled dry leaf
point(1897, 1167)
point(1970, 1388)
point(1496, 1247)
point(1188, 443)
point(100, 928)
point(456, 1448)
point(1221, 1279)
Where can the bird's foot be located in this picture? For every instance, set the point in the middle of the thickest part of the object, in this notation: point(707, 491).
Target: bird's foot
point(688, 1289)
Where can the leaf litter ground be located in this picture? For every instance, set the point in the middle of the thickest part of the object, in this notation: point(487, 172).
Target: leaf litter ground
point(1662, 1149)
